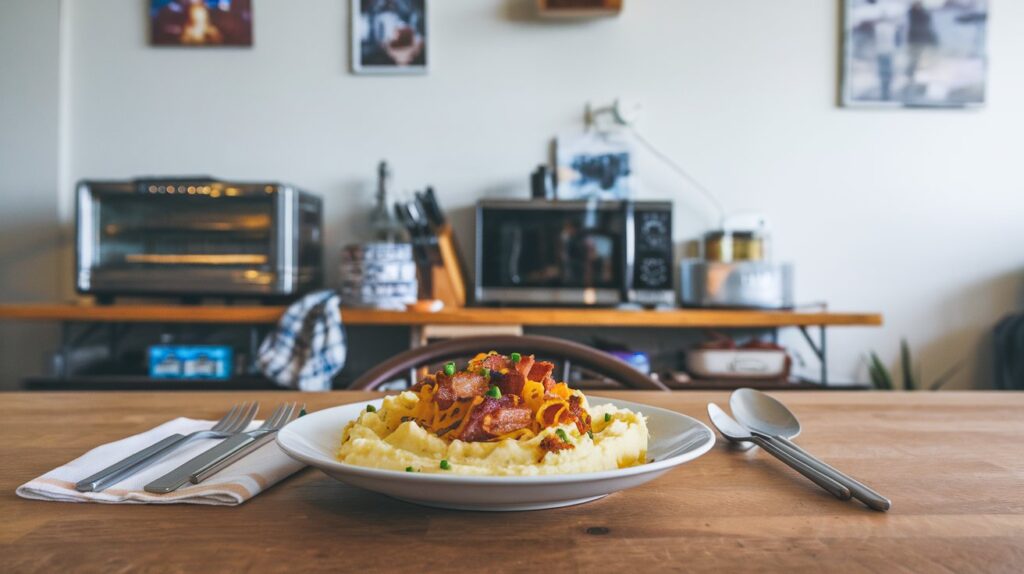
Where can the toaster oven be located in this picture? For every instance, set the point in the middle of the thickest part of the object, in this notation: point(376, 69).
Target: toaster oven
point(543, 252)
point(195, 237)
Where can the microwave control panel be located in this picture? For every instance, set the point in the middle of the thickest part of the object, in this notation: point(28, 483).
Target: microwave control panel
point(653, 257)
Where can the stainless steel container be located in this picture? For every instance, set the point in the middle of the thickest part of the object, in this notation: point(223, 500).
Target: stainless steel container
point(741, 284)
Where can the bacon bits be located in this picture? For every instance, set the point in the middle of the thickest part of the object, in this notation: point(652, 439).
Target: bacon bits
point(495, 417)
point(552, 443)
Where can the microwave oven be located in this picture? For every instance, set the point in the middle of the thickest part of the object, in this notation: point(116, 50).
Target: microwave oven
point(549, 252)
point(195, 237)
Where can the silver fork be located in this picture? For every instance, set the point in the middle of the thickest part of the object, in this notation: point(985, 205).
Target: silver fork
point(237, 419)
point(201, 464)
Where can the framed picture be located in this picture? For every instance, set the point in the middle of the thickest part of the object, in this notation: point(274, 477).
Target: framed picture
point(593, 165)
point(389, 36)
point(915, 53)
point(200, 22)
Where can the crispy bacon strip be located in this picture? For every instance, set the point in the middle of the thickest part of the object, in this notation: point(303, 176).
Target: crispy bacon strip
point(525, 364)
point(540, 370)
point(510, 383)
point(461, 385)
point(497, 363)
point(580, 416)
point(468, 385)
point(494, 417)
point(552, 443)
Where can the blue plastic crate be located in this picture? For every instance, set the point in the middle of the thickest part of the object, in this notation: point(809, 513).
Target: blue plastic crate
point(190, 362)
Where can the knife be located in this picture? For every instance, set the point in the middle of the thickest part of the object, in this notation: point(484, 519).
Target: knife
point(201, 463)
point(226, 461)
point(432, 208)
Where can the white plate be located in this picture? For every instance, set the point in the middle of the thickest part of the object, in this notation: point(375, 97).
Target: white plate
point(675, 439)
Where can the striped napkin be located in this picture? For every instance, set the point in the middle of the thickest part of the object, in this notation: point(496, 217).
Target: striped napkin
point(232, 486)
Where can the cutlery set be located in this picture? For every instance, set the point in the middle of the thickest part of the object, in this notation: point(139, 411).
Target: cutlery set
point(237, 444)
point(767, 423)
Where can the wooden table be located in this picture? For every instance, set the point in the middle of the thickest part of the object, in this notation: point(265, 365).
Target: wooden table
point(953, 464)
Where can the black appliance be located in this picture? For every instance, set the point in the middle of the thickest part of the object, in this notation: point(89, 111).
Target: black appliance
point(197, 236)
point(544, 252)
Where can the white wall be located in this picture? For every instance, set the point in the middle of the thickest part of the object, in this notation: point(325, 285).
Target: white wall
point(916, 214)
point(29, 151)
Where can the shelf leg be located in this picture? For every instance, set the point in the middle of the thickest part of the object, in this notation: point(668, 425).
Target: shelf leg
point(820, 350)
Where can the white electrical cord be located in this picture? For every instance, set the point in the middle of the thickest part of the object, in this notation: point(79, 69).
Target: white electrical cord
point(679, 170)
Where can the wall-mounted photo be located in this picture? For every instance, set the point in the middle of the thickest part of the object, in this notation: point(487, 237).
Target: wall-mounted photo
point(200, 22)
point(389, 36)
point(593, 165)
point(915, 53)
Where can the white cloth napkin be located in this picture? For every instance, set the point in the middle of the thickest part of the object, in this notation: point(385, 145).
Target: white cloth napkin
point(231, 486)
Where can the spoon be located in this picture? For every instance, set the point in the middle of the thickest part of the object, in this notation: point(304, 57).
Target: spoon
point(765, 414)
point(735, 432)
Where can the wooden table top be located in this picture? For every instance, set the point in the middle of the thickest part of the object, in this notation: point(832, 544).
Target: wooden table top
point(953, 464)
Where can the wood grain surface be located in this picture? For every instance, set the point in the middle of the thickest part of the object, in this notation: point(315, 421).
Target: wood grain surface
point(953, 464)
point(466, 316)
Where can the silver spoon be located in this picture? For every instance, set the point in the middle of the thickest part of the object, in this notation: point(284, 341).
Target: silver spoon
point(736, 432)
point(763, 413)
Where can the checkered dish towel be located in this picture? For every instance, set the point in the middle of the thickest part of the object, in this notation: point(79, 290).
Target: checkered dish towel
point(307, 348)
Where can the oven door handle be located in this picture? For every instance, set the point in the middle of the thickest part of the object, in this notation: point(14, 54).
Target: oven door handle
point(628, 248)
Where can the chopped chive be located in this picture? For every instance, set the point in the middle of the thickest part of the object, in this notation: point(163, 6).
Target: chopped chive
point(486, 372)
point(449, 369)
point(371, 409)
point(516, 357)
point(409, 469)
point(607, 417)
point(494, 392)
point(445, 465)
point(561, 434)
point(302, 413)
point(590, 433)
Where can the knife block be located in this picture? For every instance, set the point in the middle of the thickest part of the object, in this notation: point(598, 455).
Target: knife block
point(448, 278)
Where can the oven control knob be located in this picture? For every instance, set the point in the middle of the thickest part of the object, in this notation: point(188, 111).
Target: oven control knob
point(654, 232)
point(653, 272)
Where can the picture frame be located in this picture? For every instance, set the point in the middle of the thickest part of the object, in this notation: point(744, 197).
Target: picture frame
point(914, 54)
point(390, 37)
point(200, 23)
point(593, 165)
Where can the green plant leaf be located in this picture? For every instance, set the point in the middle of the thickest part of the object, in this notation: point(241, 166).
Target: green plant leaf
point(881, 379)
point(909, 380)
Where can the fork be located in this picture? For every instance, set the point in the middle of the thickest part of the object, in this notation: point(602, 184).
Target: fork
point(237, 419)
point(204, 462)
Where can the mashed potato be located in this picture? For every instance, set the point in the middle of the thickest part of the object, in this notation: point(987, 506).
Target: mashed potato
point(387, 439)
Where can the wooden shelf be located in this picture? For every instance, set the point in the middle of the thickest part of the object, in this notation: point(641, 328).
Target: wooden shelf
point(551, 317)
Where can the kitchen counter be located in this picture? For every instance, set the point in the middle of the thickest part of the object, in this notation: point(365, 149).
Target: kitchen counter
point(952, 463)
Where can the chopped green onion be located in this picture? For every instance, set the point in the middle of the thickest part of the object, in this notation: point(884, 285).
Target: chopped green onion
point(371, 409)
point(302, 413)
point(449, 369)
point(590, 433)
point(561, 434)
point(516, 357)
point(409, 469)
point(486, 372)
point(445, 465)
point(607, 417)
point(494, 392)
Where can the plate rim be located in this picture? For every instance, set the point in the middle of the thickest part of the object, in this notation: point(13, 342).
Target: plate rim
point(514, 480)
